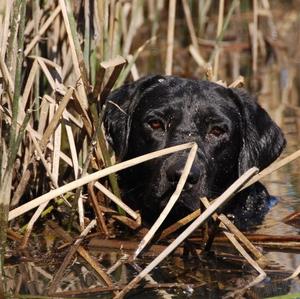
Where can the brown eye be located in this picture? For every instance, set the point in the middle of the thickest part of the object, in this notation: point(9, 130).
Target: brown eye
point(216, 131)
point(156, 124)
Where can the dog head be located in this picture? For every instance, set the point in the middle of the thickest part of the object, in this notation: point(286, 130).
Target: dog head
point(232, 131)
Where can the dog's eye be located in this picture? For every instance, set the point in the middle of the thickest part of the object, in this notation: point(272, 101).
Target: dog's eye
point(156, 124)
point(216, 131)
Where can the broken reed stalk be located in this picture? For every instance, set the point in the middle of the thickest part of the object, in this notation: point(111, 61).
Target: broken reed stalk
point(170, 37)
point(107, 75)
point(171, 202)
point(219, 202)
point(93, 177)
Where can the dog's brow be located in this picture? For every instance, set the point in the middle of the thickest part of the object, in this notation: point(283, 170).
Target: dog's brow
point(111, 102)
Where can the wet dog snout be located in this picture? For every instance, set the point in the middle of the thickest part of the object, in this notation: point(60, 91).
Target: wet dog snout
point(174, 173)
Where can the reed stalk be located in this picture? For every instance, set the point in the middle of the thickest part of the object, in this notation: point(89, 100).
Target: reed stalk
point(14, 141)
point(11, 42)
point(36, 16)
point(170, 37)
point(87, 35)
point(219, 38)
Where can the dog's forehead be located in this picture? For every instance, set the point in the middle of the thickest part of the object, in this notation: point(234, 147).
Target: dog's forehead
point(176, 92)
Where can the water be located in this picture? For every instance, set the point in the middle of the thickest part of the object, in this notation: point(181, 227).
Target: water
point(284, 183)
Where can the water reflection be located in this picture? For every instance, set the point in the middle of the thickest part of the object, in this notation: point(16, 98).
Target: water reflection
point(284, 184)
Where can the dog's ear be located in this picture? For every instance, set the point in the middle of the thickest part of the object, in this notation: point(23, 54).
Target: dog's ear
point(263, 140)
point(119, 108)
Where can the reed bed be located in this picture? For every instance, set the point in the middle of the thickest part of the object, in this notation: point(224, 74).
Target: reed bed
point(58, 62)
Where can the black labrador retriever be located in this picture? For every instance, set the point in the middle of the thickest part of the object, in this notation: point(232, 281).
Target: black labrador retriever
point(232, 131)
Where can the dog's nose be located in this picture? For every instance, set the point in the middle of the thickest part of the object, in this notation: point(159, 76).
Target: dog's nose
point(174, 172)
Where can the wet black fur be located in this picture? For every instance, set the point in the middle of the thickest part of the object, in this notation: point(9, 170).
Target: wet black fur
point(191, 110)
